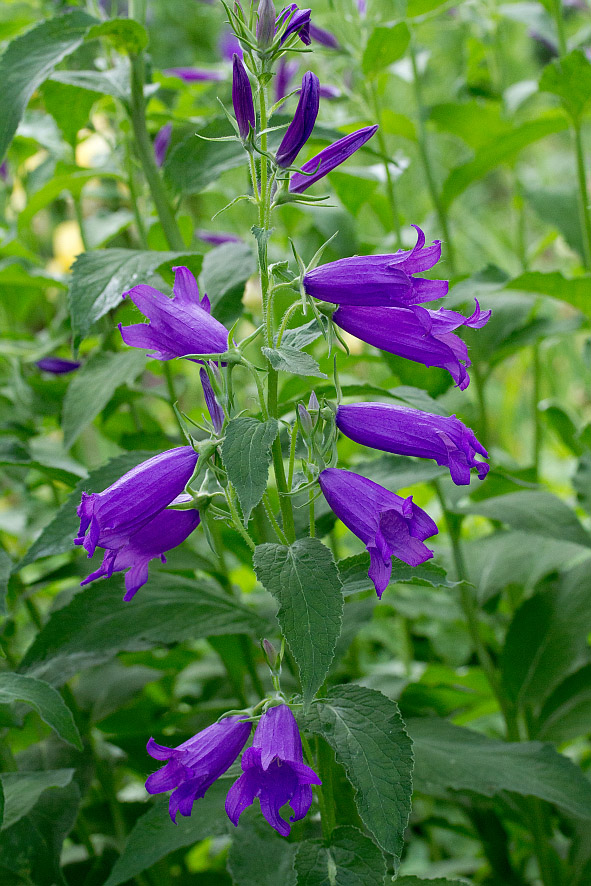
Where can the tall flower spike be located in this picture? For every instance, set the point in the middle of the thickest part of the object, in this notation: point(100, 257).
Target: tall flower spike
point(162, 143)
point(116, 514)
point(415, 334)
point(387, 524)
point(299, 23)
point(215, 410)
point(274, 771)
point(329, 158)
point(300, 128)
point(192, 768)
point(242, 98)
point(178, 326)
point(406, 431)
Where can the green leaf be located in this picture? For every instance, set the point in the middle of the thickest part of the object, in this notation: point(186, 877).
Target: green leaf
point(420, 7)
point(305, 581)
point(258, 857)
point(72, 182)
point(246, 453)
point(288, 359)
point(353, 571)
point(2, 804)
point(566, 713)
point(5, 570)
point(126, 34)
point(366, 731)
point(301, 336)
point(449, 758)
point(69, 106)
point(582, 481)
point(351, 859)
point(194, 163)
point(569, 78)
point(30, 59)
point(575, 292)
point(58, 536)
point(476, 122)
point(438, 881)
point(23, 789)
point(100, 278)
point(385, 46)
point(560, 209)
point(223, 277)
point(45, 699)
point(93, 386)
point(154, 835)
point(96, 624)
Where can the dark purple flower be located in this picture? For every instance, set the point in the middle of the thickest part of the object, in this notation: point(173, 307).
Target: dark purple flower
point(193, 767)
point(266, 16)
point(117, 513)
point(178, 326)
point(379, 279)
point(58, 366)
point(195, 75)
point(215, 410)
point(415, 334)
point(164, 532)
point(412, 432)
point(274, 771)
point(242, 98)
point(286, 71)
point(299, 23)
point(329, 158)
point(387, 524)
point(161, 143)
point(300, 128)
point(229, 44)
point(218, 238)
point(325, 38)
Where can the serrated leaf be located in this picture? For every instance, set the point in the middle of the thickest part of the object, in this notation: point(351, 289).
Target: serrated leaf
point(30, 59)
point(45, 699)
point(301, 336)
point(223, 277)
point(126, 34)
point(194, 163)
point(5, 570)
point(386, 45)
point(305, 581)
point(569, 78)
point(69, 106)
point(351, 859)
point(289, 359)
point(353, 572)
point(258, 857)
point(23, 789)
point(367, 733)
point(246, 453)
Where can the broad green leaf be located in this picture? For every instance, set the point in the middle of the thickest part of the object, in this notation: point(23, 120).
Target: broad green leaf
point(69, 106)
point(394, 123)
point(500, 151)
point(366, 731)
point(475, 122)
point(59, 534)
point(100, 278)
point(438, 881)
point(96, 624)
point(154, 835)
point(5, 570)
point(354, 187)
point(305, 581)
point(194, 163)
point(2, 804)
point(385, 46)
point(567, 712)
point(569, 78)
point(353, 572)
point(449, 758)
point(114, 81)
point(582, 481)
point(93, 386)
point(126, 34)
point(30, 59)
point(420, 7)
point(223, 277)
point(301, 336)
point(288, 359)
point(258, 857)
point(14, 275)
point(575, 292)
point(351, 859)
point(72, 182)
point(45, 699)
point(560, 209)
point(23, 789)
point(246, 453)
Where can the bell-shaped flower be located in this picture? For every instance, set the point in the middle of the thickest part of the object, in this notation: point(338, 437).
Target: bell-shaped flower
point(299, 23)
point(192, 768)
point(111, 517)
point(178, 326)
point(415, 334)
point(329, 158)
point(299, 130)
point(274, 771)
point(406, 431)
point(388, 525)
point(379, 279)
point(164, 532)
point(162, 143)
point(242, 98)
point(57, 365)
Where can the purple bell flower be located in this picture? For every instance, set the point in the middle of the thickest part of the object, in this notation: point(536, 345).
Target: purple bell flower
point(192, 768)
point(299, 23)
point(164, 532)
point(325, 38)
point(242, 98)
point(329, 158)
point(387, 524)
point(215, 410)
point(406, 431)
point(274, 771)
point(217, 238)
point(178, 326)
point(162, 143)
point(118, 512)
point(57, 365)
point(195, 75)
point(379, 279)
point(300, 128)
point(415, 334)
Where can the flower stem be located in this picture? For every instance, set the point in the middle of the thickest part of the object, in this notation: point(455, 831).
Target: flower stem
point(269, 512)
point(236, 517)
point(390, 188)
point(172, 395)
point(583, 195)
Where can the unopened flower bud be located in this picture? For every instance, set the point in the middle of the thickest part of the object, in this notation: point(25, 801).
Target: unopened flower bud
point(242, 98)
point(305, 419)
point(299, 130)
point(266, 23)
point(271, 653)
point(313, 401)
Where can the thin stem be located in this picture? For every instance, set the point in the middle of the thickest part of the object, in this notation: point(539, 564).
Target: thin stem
point(292, 453)
point(286, 318)
point(311, 512)
point(269, 512)
point(172, 395)
point(479, 383)
point(261, 392)
point(80, 219)
point(583, 195)
point(134, 197)
point(536, 372)
point(326, 815)
point(236, 517)
point(390, 188)
point(284, 499)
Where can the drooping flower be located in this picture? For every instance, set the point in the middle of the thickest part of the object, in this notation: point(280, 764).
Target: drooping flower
point(215, 410)
point(325, 38)
point(118, 512)
point(195, 75)
point(299, 130)
point(217, 238)
point(164, 532)
point(415, 334)
point(286, 71)
point(379, 279)
point(57, 365)
point(329, 158)
point(242, 98)
point(387, 524)
point(406, 431)
point(192, 768)
point(178, 326)
point(162, 143)
point(299, 23)
point(274, 771)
